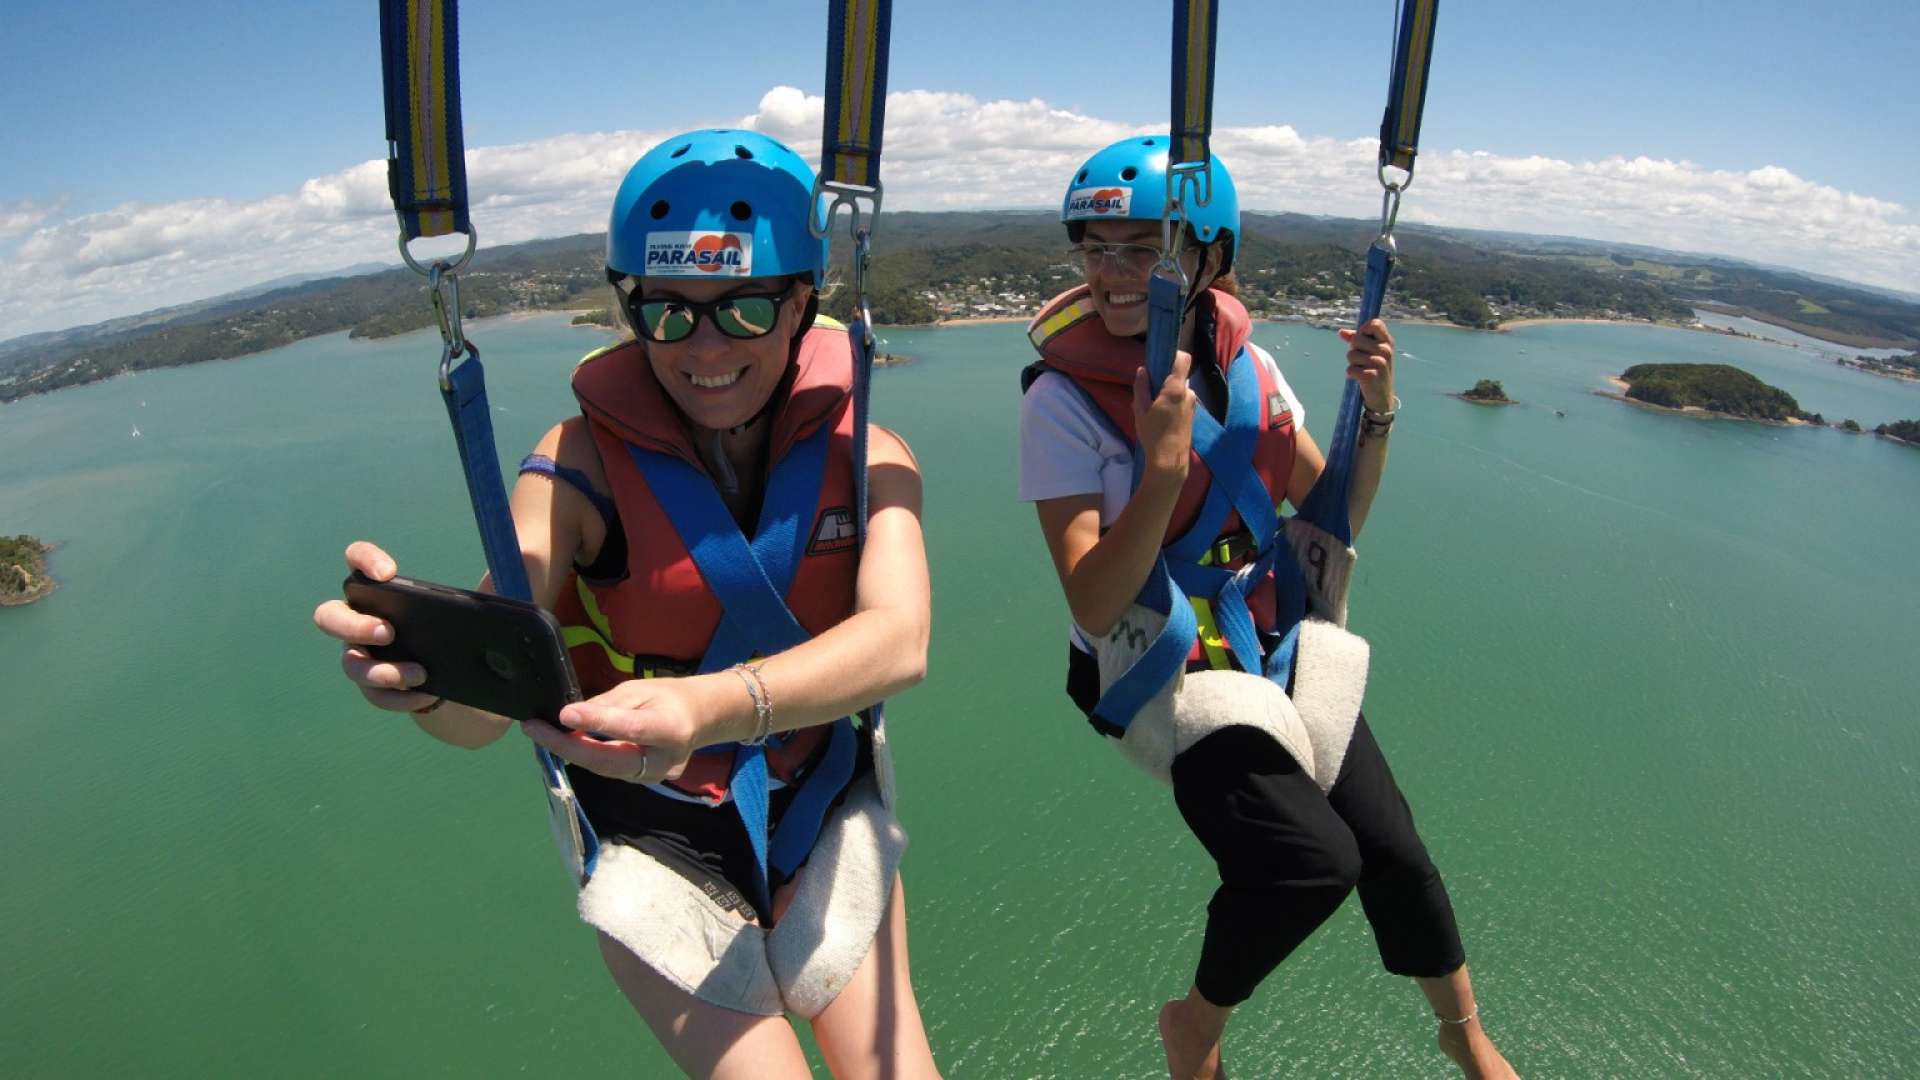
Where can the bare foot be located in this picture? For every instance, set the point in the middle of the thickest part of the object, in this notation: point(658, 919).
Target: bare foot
point(1467, 1044)
point(1192, 1054)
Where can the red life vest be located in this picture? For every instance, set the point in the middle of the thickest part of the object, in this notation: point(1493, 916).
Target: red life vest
point(661, 616)
point(1072, 340)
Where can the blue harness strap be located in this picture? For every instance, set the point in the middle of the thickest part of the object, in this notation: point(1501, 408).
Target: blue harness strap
point(1326, 505)
point(465, 394)
point(1177, 576)
point(750, 579)
point(466, 400)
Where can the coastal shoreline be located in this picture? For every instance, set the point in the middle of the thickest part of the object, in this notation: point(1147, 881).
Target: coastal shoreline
point(1481, 401)
point(1894, 375)
point(48, 585)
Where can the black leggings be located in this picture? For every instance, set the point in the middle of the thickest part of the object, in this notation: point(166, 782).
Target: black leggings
point(1288, 855)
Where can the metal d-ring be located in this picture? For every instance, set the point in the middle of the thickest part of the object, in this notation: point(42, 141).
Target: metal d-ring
point(473, 240)
point(848, 195)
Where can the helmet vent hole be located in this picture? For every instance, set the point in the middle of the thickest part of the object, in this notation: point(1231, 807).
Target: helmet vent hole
point(743, 152)
point(1082, 178)
point(659, 209)
point(1129, 173)
point(684, 147)
point(740, 211)
point(1146, 142)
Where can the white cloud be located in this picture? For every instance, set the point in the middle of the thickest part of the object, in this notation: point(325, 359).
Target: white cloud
point(20, 218)
point(943, 151)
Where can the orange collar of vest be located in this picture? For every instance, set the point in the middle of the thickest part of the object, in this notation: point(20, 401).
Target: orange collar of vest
point(617, 389)
point(1071, 338)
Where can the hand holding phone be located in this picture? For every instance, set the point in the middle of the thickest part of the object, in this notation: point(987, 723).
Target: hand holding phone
point(485, 651)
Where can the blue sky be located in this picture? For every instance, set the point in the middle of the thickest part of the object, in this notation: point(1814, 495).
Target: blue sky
point(193, 113)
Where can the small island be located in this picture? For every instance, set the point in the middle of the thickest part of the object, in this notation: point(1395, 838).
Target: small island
point(1906, 432)
point(1711, 390)
point(1486, 392)
point(23, 570)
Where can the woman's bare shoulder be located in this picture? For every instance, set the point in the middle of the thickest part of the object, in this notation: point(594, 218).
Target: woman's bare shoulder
point(570, 445)
point(888, 448)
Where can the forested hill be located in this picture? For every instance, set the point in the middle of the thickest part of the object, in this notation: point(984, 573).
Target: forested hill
point(933, 266)
point(1720, 388)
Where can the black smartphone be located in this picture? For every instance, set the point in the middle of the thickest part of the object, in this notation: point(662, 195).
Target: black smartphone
point(505, 656)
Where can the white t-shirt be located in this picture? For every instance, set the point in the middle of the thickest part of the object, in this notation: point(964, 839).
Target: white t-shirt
point(1067, 447)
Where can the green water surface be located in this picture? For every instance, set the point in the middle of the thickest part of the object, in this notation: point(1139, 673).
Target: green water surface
point(1649, 683)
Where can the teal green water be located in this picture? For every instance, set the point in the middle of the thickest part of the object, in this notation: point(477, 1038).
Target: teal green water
point(1647, 681)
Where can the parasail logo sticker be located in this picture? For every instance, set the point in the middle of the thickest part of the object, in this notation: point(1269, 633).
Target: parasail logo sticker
point(1099, 202)
point(699, 254)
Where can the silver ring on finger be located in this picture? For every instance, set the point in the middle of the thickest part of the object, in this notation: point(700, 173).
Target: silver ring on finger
point(642, 770)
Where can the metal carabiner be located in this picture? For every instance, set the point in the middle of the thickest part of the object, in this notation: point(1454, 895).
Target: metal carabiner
point(1389, 212)
point(445, 286)
point(862, 252)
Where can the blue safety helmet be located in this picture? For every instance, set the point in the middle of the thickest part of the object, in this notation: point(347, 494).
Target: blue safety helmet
point(716, 203)
point(1128, 180)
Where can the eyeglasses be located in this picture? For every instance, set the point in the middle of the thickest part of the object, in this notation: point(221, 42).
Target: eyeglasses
point(1135, 258)
point(742, 316)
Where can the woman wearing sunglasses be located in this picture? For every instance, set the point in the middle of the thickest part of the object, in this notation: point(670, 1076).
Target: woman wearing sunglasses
point(1294, 815)
point(725, 424)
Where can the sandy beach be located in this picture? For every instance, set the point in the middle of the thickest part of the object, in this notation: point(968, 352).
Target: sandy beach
point(1512, 324)
point(982, 320)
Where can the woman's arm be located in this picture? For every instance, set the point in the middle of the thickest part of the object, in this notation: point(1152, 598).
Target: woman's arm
point(551, 520)
point(878, 650)
point(1102, 574)
point(1370, 363)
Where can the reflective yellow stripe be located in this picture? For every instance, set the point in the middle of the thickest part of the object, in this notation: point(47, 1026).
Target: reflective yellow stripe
point(600, 352)
point(1061, 320)
point(576, 636)
point(592, 606)
point(1211, 640)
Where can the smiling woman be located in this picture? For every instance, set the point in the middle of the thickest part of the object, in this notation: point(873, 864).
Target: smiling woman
point(692, 530)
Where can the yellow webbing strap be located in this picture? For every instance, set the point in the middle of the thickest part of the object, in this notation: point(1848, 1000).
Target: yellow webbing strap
point(1407, 95)
point(426, 156)
point(1193, 40)
point(856, 91)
